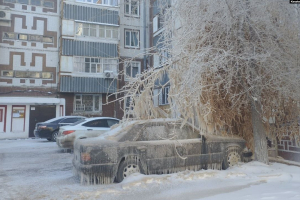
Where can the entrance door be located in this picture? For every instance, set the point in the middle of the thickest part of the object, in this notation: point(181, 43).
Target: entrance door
point(2, 118)
point(40, 113)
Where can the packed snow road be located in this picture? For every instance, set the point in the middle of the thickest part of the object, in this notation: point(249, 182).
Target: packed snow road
point(33, 169)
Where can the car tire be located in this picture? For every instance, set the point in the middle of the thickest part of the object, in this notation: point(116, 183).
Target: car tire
point(54, 136)
point(128, 167)
point(232, 157)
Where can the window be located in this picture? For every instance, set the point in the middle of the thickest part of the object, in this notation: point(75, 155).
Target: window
point(131, 38)
point(23, 2)
point(22, 37)
point(163, 96)
point(132, 7)
point(26, 37)
point(47, 75)
point(70, 120)
point(112, 122)
point(95, 65)
point(132, 68)
point(36, 2)
point(101, 2)
point(47, 39)
point(8, 73)
point(26, 74)
point(34, 74)
point(48, 4)
point(97, 123)
point(21, 74)
point(88, 103)
point(8, 36)
point(92, 30)
point(158, 21)
point(37, 38)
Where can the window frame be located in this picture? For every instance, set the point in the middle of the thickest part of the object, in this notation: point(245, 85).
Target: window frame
point(98, 27)
point(79, 64)
point(163, 96)
point(102, 4)
point(130, 13)
point(80, 100)
point(138, 38)
point(126, 63)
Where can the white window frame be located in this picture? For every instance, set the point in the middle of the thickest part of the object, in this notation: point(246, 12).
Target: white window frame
point(129, 4)
point(130, 33)
point(113, 3)
point(163, 96)
point(106, 64)
point(78, 103)
point(129, 63)
point(80, 33)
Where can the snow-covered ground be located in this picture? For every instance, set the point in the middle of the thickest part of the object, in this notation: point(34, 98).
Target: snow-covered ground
point(36, 169)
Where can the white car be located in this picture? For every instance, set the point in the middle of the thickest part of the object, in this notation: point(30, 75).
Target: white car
point(86, 128)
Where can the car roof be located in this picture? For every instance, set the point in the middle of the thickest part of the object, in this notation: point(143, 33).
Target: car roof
point(63, 117)
point(94, 118)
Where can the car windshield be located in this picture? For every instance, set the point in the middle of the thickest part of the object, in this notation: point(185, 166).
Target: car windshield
point(78, 122)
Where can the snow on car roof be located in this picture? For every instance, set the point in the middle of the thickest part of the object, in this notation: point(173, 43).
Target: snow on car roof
point(120, 129)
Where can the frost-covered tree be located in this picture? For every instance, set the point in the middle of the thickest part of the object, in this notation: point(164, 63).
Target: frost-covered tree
point(233, 67)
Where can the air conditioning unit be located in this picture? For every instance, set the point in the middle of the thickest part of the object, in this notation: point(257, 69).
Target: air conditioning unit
point(4, 15)
point(109, 74)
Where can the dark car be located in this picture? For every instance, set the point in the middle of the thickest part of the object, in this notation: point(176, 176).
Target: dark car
point(152, 147)
point(49, 129)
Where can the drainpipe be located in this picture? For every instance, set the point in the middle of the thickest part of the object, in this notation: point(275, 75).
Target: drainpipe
point(145, 34)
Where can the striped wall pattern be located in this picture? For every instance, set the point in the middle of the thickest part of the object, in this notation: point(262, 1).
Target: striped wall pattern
point(87, 85)
point(90, 14)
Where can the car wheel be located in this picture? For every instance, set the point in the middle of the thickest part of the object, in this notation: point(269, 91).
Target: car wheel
point(126, 168)
point(232, 157)
point(54, 136)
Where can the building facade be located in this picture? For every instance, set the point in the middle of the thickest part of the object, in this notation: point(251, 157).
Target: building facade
point(67, 58)
point(89, 57)
point(29, 47)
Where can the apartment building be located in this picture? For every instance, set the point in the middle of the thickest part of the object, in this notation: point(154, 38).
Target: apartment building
point(29, 50)
point(67, 58)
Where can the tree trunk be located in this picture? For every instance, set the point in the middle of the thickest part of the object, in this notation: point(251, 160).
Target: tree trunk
point(259, 134)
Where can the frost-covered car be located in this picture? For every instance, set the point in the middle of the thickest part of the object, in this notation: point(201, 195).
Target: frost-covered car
point(49, 129)
point(89, 127)
point(152, 147)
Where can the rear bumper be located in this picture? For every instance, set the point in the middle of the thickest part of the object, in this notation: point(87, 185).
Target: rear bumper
point(99, 174)
point(42, 134)
point(65, 142)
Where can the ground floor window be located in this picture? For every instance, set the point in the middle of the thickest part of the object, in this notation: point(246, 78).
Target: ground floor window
point(163, 96)
point(88, 103)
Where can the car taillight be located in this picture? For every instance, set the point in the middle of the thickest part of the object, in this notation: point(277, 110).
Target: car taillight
point(42, 127)
point(85, 157)
point(67, 132)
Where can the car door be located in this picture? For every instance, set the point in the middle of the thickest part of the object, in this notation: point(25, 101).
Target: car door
point(157, 153)
point(96, 127)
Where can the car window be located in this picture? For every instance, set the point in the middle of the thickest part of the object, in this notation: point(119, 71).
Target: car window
point(112, 122)
point(96, 123)
point(70, 120)
point(78, 122)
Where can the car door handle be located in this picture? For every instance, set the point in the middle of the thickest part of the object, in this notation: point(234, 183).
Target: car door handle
point(90, 129)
